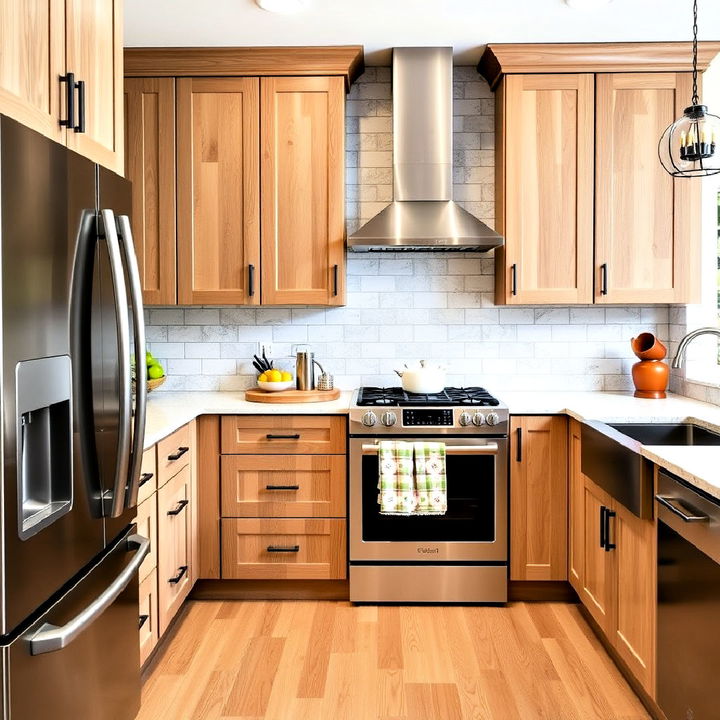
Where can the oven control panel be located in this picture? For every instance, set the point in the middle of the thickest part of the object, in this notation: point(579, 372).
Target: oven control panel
point(436, 417)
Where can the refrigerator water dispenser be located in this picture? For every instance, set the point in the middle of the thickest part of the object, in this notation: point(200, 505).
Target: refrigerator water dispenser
point(44, 442)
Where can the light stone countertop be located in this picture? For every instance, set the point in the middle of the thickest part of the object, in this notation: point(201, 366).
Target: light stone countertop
point(700, 466)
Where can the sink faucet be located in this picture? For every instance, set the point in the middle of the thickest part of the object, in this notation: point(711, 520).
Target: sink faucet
point(679, 358)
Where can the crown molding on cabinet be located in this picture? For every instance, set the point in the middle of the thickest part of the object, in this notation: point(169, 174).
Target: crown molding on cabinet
point(504, 59)
point(345, 60)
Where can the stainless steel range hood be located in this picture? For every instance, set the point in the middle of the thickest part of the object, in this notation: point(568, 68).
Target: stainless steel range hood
point(423, 215)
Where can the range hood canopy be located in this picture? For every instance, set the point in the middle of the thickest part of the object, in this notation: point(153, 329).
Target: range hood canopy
point(423, 215)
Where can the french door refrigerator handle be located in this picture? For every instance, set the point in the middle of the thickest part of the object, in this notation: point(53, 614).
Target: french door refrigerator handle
point(136, 452)
point(51, 637)
point(124, 371)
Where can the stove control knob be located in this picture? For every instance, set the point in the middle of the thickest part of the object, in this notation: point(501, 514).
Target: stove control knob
point(492, 418)
point(369, 418)
point(465, 419)
point(478, 419)
point(388, 419)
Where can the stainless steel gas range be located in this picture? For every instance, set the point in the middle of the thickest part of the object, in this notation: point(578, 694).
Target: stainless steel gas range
point(461, 556)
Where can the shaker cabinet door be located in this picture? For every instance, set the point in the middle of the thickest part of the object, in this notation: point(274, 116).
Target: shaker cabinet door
point(303, 190)
point(218, 191)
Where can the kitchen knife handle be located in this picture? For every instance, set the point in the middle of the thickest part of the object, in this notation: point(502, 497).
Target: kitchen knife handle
point(335, 280)
point(513, 276)
point(251, 280)
point(182, 504)
point(604, 279)
point(177, 578)
point(282, 549)
point(608, 514)
point(180, 452)
point(282, 487)
point(518, 434)
point(69, 81)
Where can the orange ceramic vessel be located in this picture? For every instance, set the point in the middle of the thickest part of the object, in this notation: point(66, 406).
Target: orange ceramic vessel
point(650, 375)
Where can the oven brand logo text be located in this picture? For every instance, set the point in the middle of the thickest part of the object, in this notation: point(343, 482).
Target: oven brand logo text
point(428, 550)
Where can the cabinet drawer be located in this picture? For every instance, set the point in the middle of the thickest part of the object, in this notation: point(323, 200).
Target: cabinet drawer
point(261, 549)
point(148, 619)
point(148, 475)
point(283, 485)
point(173, 454)
point(174, 543)
point(287, 434)
point(147, 527)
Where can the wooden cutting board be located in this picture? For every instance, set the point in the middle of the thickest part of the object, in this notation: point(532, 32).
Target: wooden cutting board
point(291, 396)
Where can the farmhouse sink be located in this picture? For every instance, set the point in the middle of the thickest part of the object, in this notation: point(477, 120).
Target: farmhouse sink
point(668, 433)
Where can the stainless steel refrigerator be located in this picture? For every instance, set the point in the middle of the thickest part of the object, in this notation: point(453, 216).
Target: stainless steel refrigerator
point(72, 430)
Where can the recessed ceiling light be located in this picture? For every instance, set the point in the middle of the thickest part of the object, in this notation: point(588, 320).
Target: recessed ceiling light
point(283, 6)
point(587, 4)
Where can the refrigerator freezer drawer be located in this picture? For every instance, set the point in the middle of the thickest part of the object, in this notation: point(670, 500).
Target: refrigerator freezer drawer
point(97, 673)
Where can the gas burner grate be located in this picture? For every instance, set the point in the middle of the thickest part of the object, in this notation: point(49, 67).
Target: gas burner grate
point(377, 396)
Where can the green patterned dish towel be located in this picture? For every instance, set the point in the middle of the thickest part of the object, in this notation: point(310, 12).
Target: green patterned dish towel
point(430, 478)
point(396, 488)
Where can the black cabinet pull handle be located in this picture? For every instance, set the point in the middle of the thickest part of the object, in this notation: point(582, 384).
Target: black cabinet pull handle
point(251, 280)
point(69, 81)
point(335, 280)
point(177, 578)
point(270, 436)
point(604, 279)
point(608, 514)
point(282, 487)
point(603, 538)
point(518, 455)
point(177, 455)
point(80, 127)
point(513, 275)
point(142, 620)
point(145, 477)
point(180, 507)
point(281, 549)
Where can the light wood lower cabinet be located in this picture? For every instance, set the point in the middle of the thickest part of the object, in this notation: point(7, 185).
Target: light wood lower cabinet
point(173, 453)
point(148, 620)
point(147, 527)
point(272, 549)
point(538, 497)
point(175, 545)
point(576, 498)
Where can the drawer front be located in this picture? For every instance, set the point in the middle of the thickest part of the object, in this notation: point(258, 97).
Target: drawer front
point(287, 434)
point(148, 475)
point(264, 549)
point(148, 619)
point(147, 527)
point(283, 485)
point(174, 551)
point(173, 454)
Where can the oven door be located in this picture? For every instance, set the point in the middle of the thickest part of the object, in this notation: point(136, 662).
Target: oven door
point(474, 528)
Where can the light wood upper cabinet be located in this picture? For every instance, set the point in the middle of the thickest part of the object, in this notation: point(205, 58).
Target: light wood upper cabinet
point(538, 498)
point(647, 223)
point(218, 191)
point(32, 59)
point(93, 32)
point(303, 190)
point(545, 185)
point(150, 165)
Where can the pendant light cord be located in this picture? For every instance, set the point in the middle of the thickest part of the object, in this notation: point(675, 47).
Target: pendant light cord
point(695, 98)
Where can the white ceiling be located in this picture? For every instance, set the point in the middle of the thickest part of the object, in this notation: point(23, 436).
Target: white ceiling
point(467, 25)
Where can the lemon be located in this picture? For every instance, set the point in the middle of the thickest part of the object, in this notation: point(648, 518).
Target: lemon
point(286, 376)
point(155, 371)
point(274, 376)
point(263, 378)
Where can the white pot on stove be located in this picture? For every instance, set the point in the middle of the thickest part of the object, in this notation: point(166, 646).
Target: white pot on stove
point(423, 377)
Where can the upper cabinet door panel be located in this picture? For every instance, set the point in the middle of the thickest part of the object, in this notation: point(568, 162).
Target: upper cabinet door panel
point(302, 171)
point(94, 54)
point(547, 142)
point(218, 191)
point(150, 166)
point(32, 59)
point(647, 223)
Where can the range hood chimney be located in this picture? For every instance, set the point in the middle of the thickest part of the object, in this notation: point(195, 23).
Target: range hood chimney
point(422, 215)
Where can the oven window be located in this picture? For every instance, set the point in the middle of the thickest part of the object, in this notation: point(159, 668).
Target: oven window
point(470, 515)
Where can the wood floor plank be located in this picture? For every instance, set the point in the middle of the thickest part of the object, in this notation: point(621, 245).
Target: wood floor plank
point(314, 670)
point(390, 655)
point(390, 694)
point(431, 701)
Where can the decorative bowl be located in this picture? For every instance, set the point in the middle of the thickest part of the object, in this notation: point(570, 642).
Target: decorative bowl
point(155, 383)
point(276, 386)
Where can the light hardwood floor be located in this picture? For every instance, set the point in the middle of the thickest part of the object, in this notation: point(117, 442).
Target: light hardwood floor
point(335, 661)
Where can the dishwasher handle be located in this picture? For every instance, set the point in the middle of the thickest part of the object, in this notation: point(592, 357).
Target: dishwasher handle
point(676, 507)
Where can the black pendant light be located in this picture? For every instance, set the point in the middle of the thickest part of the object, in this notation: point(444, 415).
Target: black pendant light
point(690, 147)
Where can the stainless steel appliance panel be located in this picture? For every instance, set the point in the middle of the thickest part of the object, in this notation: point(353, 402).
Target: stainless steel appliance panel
point(38, 240)
point(688, 653)
point(77, 680)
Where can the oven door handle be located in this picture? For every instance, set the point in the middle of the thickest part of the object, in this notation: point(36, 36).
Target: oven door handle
point(489, 449)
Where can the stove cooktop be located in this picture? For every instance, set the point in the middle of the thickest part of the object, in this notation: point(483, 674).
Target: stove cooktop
point(450, 396)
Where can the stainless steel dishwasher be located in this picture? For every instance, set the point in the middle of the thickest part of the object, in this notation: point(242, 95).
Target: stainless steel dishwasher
point(688, 620)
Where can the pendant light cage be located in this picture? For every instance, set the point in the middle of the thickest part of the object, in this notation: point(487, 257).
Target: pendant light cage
point(690, 147)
